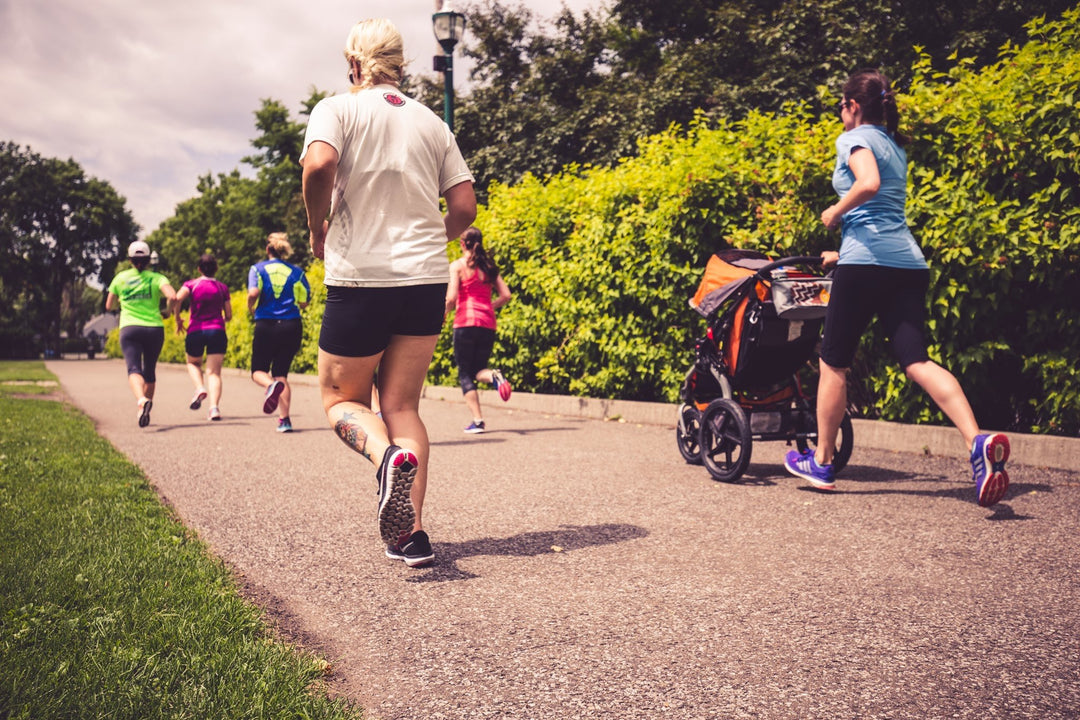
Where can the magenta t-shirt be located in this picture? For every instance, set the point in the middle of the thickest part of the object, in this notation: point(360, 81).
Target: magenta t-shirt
point(208, 298)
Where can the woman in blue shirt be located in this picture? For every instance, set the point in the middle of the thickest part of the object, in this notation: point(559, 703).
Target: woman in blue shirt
point(881, 271)
point(277, 292)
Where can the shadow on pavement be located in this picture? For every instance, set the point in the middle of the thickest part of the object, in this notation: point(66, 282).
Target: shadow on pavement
point(530, 544)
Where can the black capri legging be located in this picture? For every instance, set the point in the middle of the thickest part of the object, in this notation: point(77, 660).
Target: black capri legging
point(472, 350)
point(141, 346)
point(897, 296)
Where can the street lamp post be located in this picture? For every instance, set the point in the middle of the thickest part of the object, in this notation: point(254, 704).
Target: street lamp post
point(449, 27)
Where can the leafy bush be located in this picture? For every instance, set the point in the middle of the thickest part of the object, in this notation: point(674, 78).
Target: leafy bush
point(603, 260)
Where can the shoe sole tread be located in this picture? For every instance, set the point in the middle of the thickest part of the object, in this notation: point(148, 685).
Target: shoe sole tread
point(396, 512)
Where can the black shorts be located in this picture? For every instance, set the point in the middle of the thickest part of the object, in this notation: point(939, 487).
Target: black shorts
point(359, 321)
point(897, 296)
point(275, 344)
point(211, 342)
point(141, 346)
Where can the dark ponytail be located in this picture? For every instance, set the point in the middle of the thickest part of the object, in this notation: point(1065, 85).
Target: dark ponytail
point(479, 259)
point(871, 90)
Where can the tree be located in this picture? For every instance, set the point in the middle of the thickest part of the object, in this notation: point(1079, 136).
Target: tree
point(232, 215)
point(58, 229)
point(589, 89)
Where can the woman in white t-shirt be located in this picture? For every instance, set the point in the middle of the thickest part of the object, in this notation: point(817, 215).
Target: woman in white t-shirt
point(376, 163)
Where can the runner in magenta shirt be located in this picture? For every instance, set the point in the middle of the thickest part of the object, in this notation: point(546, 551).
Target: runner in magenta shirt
point(211, 308)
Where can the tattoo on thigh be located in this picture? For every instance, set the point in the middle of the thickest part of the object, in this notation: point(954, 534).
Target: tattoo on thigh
point(352, 434)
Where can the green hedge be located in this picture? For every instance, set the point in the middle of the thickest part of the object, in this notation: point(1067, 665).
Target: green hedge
point(602, 261)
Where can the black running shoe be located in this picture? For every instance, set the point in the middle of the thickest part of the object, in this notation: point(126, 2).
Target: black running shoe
point(415, 550)
point(395, 476)
point(144, 412)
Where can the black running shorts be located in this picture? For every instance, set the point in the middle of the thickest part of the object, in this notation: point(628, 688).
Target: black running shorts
point(274, 345)
point(211, 342)
point(897, 296)
point(359, 321)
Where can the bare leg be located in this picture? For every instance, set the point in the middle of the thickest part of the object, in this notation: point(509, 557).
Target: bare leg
point(140, 388)
point(831, 403)
point(285, 399)
point(345, 384)
point(472, 400)
point(194, 369)
point(213, 377)
point(262, 378)
point(401, 380)
point(945, 391)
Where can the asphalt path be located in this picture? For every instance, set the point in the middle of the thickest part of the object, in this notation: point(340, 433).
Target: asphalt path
point(583, 570)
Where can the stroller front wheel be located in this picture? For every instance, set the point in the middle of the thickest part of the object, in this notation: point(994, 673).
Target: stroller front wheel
point(688, 433)
point(726, 441)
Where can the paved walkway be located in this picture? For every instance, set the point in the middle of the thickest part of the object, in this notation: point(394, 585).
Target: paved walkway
point(584, 571)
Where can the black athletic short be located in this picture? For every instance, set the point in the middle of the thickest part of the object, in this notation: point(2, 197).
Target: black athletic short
point(211, 342)
point(359, 321)
point(141, 346)
point(897, 296)
point(275, 344)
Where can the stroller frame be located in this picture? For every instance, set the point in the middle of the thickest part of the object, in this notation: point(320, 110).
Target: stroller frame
point(724, 409)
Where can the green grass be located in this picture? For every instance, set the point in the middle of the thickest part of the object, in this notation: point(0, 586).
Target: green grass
point(109, 608)
point(25, 377)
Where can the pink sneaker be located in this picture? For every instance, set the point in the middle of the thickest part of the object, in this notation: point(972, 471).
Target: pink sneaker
point(502, 385)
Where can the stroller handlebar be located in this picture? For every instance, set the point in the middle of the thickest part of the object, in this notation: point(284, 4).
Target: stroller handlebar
point(795, 260)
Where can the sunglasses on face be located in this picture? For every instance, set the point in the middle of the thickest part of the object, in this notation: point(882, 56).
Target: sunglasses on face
point(841, 106)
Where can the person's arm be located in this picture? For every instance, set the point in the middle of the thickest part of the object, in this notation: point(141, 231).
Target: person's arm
point(460, 209)
point(227, 308)
point(169, 294)
point(453, 287)
point(867, 182)
point(254, 289)
point(112, 302)
point(320, 168)
point(176, 306)
point(303, 302)
point(504, 293)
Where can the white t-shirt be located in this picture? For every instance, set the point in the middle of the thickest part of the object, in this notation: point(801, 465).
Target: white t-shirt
point(396, 159)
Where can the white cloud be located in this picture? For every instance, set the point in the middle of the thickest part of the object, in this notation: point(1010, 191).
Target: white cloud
point(150, 95)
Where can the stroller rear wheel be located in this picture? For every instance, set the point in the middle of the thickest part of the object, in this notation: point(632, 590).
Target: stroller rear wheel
point(726, 440)
point(688, 434)
point(845, 443)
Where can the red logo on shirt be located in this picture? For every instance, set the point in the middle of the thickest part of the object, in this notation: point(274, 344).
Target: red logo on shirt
point(395, 100)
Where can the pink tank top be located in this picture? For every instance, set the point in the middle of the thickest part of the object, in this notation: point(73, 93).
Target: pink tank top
point(474, 302)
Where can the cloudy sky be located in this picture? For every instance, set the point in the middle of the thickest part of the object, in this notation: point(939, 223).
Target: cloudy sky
point(150, 94)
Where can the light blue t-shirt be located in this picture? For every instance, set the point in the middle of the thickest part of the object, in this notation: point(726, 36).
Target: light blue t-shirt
point(876, 232)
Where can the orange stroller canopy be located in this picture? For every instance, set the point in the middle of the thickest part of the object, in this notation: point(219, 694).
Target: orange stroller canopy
point(725, 273)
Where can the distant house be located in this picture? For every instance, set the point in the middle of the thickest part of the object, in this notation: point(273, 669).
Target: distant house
point(100, 325)
point(96, 329)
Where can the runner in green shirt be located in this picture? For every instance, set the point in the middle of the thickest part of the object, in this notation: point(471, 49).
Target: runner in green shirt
point(137, 292)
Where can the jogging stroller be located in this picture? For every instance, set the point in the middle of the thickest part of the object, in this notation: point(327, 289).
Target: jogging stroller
point(764, 322)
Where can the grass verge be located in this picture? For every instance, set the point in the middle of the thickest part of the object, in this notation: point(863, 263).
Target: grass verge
point(110, 608)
